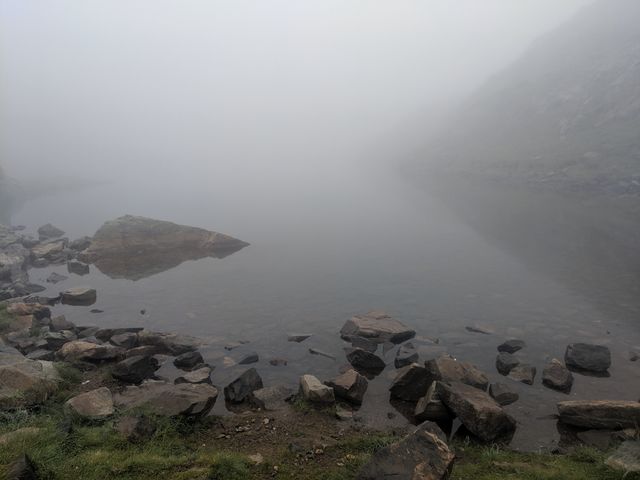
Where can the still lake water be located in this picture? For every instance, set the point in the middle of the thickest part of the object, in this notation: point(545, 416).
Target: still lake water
point(342, 241)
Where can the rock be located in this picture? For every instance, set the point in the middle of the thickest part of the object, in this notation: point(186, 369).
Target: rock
point(602, 440)
point(127, 340)
point(93, 405)
point(241, 388)
point(161, 398)
point(22, 468)
point(503, 394)
point(25, 382)
point(79, 296)
point(505, 362)
point(445, 368)
point(363, 343)
point(523, 373)
point(421, 455)
point(56, 340)
point(48, 231)
point(479, 329)
point(477, 411)
point(377, 326)
point(430, 407)
point(249, 358)
point(271, 398)
point(77, 268)
point(591, 358)
point(84, 351)
point(105, 334)
point(256, 459)
point(135, 429)
point(511, 346)
point(145, 350)
point(278, 362)
point(188, 360)
point(626, 458)
point(199, 375)
point(365, 361)
point(135, 369)
point(600, 414)
point(41, 354)
point(172, 343)
point(56, 278)
point(315, 351)
point(406, 355)
point(84, 332)
point(60, 323)
point(14, 261)
point(298, 337)
point(556, 376)
point(52, 251)
point(23, 309)
point(350, 386)
point(411, 383)
point(314, 391)
point(80, 244)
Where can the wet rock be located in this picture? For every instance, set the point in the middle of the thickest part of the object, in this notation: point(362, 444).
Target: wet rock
point(198, 375)
point(591, 358)
point(315, 351)
point(60, 323)
point(56, 278)
point(80, 244)
point(377, 326)
point(84, 351)
point(298, 337)
point(173, 344)
point(431, 408)
point(314, 391)
point(48, 231)
point(81, 296)
point(523, 373)
point(421, 455)
point(161, 398)
point(271, 398)
point(505, 362)
point(350, 386)
point(445, 368)
point(77, 268)
point(411, 383)
point(13, 263)
point(127, 340)
point(25, 382)
point(600, 414)
point(135, 429)
point(503, 394)
point(512, 346)
point(249, 358)
point(477, 411)
point(93, 405)
point(278, 362)
point(241, 388)
point(145, 350)
point(365, 361)
point(188, 360)
point(363, 343)
point(22, 468)
point(406, 355)
point(626, 458)
point(556, 376)
point(135, 369)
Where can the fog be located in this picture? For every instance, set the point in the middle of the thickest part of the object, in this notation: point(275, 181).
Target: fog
point(241, 92)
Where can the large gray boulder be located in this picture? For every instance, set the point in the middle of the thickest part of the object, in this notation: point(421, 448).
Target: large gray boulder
point(600, 414)
point(94, 405)
point(591, 358)
point(242, 387)
point(377, 326)
point(135, 369)
point(350, 386)
point(411, 383)
point(447, 369)
point(477, 411)
point(430, 407)
point(25, 382)
point(421, 455)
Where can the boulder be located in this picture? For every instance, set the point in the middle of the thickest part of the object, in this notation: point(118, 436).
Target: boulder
point(25, 382)
point(314, 391)
point(511, 346)
point(411, 383)
point(363, 343)
point(365, 361)
point(377, 326)
point(161, 398)
point(241, 388)
point(523, 373)
point(421, 455)
point(271, 398)
point(445, 368)
point(127, 340)
point(587, 357)
point(600, 414)
point(477, 411)
point(56, 340)
point(556, 376)
point(145, 350)
point(23, 309)
point(77, 268)
point(199, 375)
point(135, 429)
point(171, 343)
point(48, 231)
point(52, 251)
point(61, 323)
point(505, 362)
point(13, 263)
point(188, 360)
point(430, 407)
point(503, 394)
point(79, 296)
point(84, 351)
point(406, 355)
point(41, 354)
point(350, 386)
point(93, 405)
point(135, 369)
point(278, 362)
point(315, 351)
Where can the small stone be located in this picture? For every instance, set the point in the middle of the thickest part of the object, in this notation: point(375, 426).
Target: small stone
point(503, 394)
point(56, 278)
point(77, 268)
point(278, 362)
point(587, 357)
point(523, 373)
point(365, 361)
point(556, 376)
point(314, 391)
point(49, 231)
point(512, 346)
point(271, 398)
point(505, 362)
point(377, 326)
point(315, 351)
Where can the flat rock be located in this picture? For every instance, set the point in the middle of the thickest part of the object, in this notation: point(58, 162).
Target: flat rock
point(503, 394)
point(199, 375)
point(523, 373)
point(188, 360)
point(512, 346)
point(135, 369)
point(557, 377)
point(411, 383)
point(445, 368)
point(600, 414)
point(406, 355)
point(271, 398)
point(377, 326)
point(477, 411)
point(314, 391)
point(93, 405)
point(350, 386)
point(365, 361)
point(591, 358)
point(431, 408)
point(315, 351)
point(421, 455)
point(241, 388)
point(84, 351)
point(79, 296)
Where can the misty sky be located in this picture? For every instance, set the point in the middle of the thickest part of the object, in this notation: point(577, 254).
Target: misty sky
point(93, 88)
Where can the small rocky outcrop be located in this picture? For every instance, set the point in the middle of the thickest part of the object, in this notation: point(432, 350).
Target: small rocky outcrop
point(377, 326)
point(557, 377)
point(511, 346)
point(600, 414)
point(505, 362)
point(421, 455)
point(188, 360)
point(365, 361)
point(523, 373)
point(431, 408)
point(350, 386)
point(314, 391)
point(271, 398)
point(411, 383)
point(477, 411)
point(447, 369)
point(587, 357)
point(503, 394)
point(94, 405)
point(406, 355)
point(135, 369)
point(81, 296)
point(242, 387)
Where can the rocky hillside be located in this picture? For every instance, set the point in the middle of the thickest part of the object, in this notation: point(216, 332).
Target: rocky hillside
point(566, 115)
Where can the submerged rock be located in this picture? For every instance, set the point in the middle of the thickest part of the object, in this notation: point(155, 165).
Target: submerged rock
point(377, 326)
point(505, 362)
point(556, 376)
point(77, 268)
point(93, 405)
point(600, 414)
point(199, 375)
point(170, 343)
point(406, 355)
point(298, 337)
point(365, 361)
point(591, 358)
